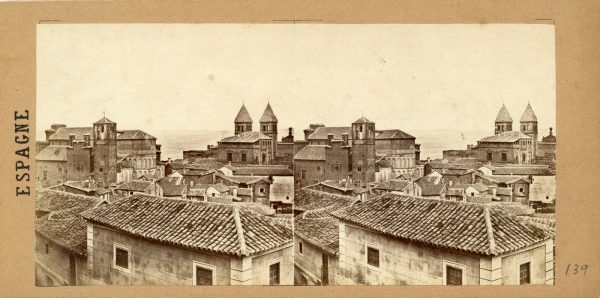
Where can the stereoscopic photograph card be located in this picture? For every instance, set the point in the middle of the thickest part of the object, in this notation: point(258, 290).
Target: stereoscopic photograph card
point(295, 154)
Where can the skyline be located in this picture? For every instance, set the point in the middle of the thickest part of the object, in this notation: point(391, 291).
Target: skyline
point(169, 74)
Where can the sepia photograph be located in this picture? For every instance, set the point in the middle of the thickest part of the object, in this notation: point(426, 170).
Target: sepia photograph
point(295, 154)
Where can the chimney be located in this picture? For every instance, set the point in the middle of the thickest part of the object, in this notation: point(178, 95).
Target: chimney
point(49, 132)
point(208, 147)
point(345, 139)
point(71, 139)
point(329, 138)
point(86, 140)
point(550, 130)
point(291, 131)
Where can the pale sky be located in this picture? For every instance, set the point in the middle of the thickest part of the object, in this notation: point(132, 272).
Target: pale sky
point(158, 77)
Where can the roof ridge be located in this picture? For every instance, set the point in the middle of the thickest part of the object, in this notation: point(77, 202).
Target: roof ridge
point(489, 229)
point(240, 231)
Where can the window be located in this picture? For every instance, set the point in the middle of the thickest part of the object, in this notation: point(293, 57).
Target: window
point(261, 190)
point(503, 156)
point(274, 274)
point(453, 276)
point(213, 194)
point(300, 248)
point(360, 128)
point(229, 156)
point(121, 257)
point(303, 176)
point(372, 256)
point(204, 274)
point(524, 273)
point(489, 156)
point(243, 156)
point(359, 168)
point(45, 175)
point(101, 169)
point(318, 168)
point(46, 248)
point(472, 194)
point(521, 189)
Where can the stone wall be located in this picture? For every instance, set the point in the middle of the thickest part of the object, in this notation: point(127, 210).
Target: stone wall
point(56, 172)
point(401, 262)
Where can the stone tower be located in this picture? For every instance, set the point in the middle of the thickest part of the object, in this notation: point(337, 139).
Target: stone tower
point(268, 126)
point(529, 126)
point(363, 151)
point(105, 151)
point(243, 121)
point(503, 121)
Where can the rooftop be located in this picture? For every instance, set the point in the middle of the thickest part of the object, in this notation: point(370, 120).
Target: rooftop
point(503, 115)
point(268, 115)
point(505, 137)
point(135, 185)
point(392, 134)
point(321, 133)
point(246, 137)
point(243, 116)
point(319, 202)
point(528, 115)
point(52, 153)
point(321, 232)
point(135, 134)
point(62, 134)
point(469, 227)
point(196, 225)
point(48, 200)
point(311, 152)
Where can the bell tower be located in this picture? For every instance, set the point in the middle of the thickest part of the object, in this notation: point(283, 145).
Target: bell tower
point(243, 121)
point(529, 126)
point(363, 151)
point(105, 151)
point(503, 121)
point(268, 126)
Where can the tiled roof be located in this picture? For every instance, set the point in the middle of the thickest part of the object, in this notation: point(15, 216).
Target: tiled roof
point(53, 153)
point(70, 233)
point(263, 171)
point(503, 191)
point(431, 189)
point(541, 171)
point(393, 185)
point(321, 133)
point(480, 187)
point(503, 115)
point(475, 228)
point(505, 137)
point(528, 115)
point(135, 134)
point(392, 134)
point(135, 185)
point(320, 232)
point(504, 179)
point(339, 185)
point(268, 115)
point(308, 201)
point(172, 186)
point(196, 192)
point(244, 179)
point(363, 120)
point(246, 137)
point(243, 116)
point(220, 187)
point(62, 134)
point(103, 120)
point(244, 192)
point(48, 200)
point(455, 191)
point(311, 152)
point(196, 225)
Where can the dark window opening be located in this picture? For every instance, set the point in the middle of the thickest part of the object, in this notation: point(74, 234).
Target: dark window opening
point(229, 156)
point(274, 274)
point(504, 157)
point(46, 248)
point(453, 276)
point(243, 156)
point(373, 256)
point(122, 257)
point(489, 156)
point(524, 274)
point(203, 276)
point(300, 247)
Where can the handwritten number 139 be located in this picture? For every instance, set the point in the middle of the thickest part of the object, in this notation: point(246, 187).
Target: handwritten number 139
point(576, 268)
